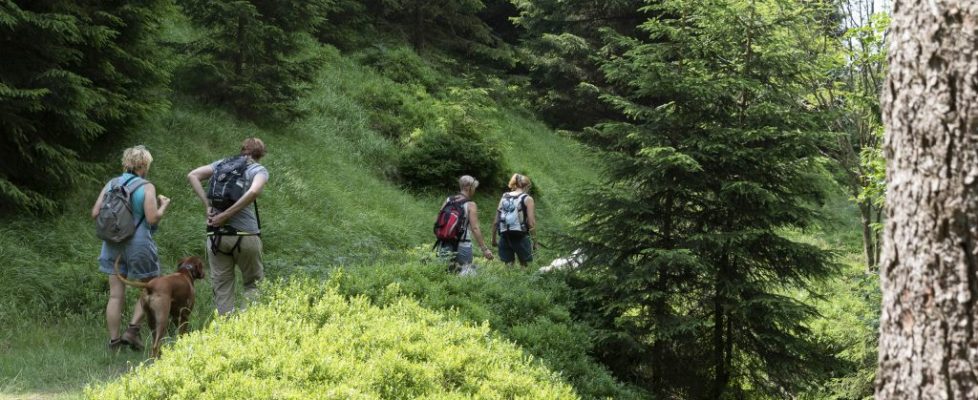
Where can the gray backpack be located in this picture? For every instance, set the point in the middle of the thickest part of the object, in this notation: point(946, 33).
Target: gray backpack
point(114, 222)
point(512, 213)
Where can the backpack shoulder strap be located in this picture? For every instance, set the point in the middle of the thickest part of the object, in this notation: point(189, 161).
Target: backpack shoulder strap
point(522, 212)
point(130, 191)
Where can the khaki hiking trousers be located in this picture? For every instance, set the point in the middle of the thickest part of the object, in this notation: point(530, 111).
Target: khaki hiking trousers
point(247, 256)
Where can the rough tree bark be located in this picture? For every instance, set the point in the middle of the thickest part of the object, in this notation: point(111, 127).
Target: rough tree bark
point(929, 268)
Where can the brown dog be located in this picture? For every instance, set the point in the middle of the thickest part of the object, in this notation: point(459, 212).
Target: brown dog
point(168, 296)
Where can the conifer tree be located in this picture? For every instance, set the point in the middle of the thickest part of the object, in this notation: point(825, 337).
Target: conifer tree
point(713, 157)
point(560, 49)
point(453, 25)
point(250, 57)
point(74, 74)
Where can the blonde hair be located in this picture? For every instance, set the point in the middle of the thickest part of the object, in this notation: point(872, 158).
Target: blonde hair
point(136, 158)
point(253, 147)
point(467, 181)
point(520, 182)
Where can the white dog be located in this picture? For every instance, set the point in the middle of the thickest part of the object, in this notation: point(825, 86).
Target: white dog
point(572, 261)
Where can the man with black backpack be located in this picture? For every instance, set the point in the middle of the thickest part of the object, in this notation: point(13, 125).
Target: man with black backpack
point(233, 222)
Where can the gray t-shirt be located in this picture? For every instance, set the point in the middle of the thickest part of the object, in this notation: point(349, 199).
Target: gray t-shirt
point(246, 220)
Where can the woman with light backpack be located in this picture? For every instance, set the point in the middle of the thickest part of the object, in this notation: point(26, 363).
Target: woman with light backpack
point(515, 222)
point(126, 213)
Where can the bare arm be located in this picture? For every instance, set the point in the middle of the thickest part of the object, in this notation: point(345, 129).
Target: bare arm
point(495, 225)
point(153, 212)
point(474, 225)
point(256, 188)
point(531, 219)
point(198, 175)
point(98, 203)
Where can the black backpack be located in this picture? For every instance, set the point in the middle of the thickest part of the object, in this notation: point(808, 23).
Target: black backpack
point(228, 183)
point(114, 222)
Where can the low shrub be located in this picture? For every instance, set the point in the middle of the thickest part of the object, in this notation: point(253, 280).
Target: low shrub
point(306, 341)
point(531, 310)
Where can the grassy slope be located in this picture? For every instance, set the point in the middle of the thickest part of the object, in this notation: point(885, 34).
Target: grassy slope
point(325, 205)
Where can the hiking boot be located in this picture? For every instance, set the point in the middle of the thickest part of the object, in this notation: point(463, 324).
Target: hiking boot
point(132, 338)
point(116, 344)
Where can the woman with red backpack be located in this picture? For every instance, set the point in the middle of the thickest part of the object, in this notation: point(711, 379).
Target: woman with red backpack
point(458, 224)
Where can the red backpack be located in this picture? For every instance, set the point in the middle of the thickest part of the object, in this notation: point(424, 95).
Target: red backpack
point(451, 223)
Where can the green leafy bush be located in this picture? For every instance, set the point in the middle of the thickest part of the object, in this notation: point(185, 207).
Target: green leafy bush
point(531, 310)
point(307, 342)
point(455, 143)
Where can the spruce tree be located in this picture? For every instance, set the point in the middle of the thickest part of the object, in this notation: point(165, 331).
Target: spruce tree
point(74, 74)
point(452, 25)
point(560, 49)
point(713, 158)
point(250, 57)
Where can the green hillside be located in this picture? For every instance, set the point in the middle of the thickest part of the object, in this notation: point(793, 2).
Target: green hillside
point(328, 204)
point(717, 164)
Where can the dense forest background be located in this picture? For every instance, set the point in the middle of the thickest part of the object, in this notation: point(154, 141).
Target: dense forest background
point(718, 162)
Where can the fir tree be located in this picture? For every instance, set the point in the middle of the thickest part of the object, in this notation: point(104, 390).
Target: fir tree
point(560, 49)
point(74, 74)
point(451, 25)
point(713, 158)
point(251, 55)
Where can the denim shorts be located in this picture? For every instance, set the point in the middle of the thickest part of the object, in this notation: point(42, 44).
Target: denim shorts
point(462, 256)
point(515, 244)
point(139, 260)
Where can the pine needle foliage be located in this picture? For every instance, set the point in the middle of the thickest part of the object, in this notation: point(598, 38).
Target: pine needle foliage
point(715, 154)
point(252, 57)
point(74, 74)
point(451, 25)
point(562, 39)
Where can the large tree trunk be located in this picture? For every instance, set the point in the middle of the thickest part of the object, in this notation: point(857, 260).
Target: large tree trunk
point(928, 346)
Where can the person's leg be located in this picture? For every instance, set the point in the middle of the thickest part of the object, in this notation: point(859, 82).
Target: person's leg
point(222, 274)
point(506, 253)
point(113, 310)
point(524, 250)
point(132, 335)
point(144, 265)
point(249, 261)
point(117, 291)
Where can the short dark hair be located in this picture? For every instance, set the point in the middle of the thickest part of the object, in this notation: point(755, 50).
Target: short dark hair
point(253, 147)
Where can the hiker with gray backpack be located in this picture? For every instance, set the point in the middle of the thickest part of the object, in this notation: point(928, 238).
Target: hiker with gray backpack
point(233, 222)
point(126, 213)
point(515, 222)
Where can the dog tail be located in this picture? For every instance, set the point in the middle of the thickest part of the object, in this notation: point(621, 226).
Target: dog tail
point(123, 278)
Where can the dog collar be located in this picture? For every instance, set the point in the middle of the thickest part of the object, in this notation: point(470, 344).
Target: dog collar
point(191, 271)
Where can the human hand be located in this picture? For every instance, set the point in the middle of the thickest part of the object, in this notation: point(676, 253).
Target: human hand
point(536, 245)
point(487, 254)
point(494, 242)
point(217, 219)
point(211, 212)
point(163, 200)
